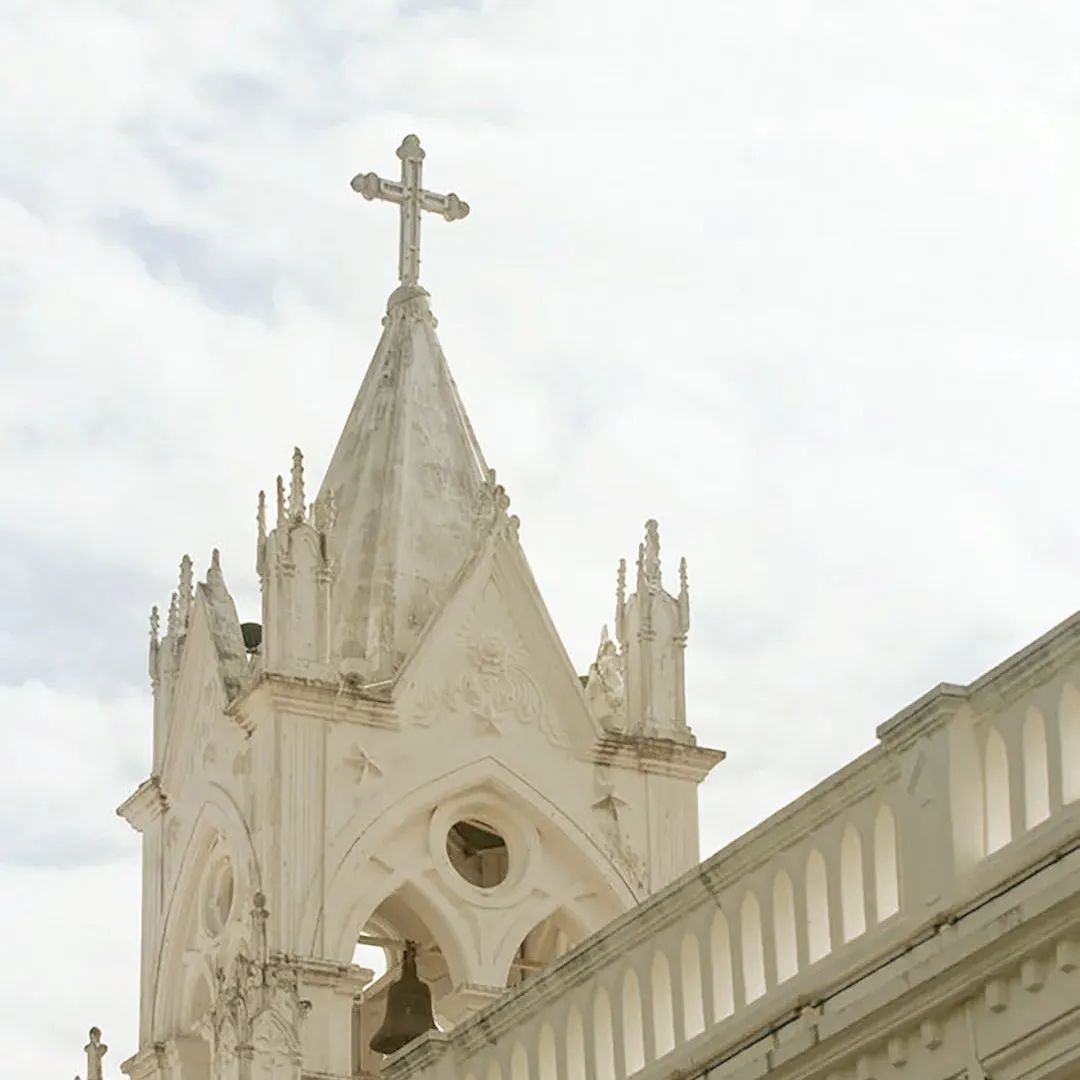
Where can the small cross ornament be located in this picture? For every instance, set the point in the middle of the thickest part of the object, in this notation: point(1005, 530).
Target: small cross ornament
point(411, 198)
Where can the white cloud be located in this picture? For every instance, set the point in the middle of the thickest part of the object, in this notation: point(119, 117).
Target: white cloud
point(799, 279)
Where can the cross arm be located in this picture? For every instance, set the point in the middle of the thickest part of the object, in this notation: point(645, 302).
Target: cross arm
point(373, 186)
point(450, 206)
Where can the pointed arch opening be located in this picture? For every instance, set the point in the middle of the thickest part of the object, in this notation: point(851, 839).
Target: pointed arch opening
point(663, 1012)
point(1036, 769)
point(818, 937)
point(692, 997)
point(575, 1046)
point(852, 901)
point(886, 864)
point(723, 974)
point(632, 1024)
point(753, 947)
point(603, 1036)
point(997, 812)
point(787, 957)
point(546, 1060)
point(1069, 727)
point(519, 1063)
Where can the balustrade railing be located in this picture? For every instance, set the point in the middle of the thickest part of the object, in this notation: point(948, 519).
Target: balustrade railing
point(966, 789)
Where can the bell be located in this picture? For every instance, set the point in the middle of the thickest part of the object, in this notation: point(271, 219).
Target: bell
point(408, 1008)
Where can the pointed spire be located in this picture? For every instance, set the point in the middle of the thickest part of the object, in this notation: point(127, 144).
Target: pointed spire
point(296, 486)
point(642, 581)
point(281, 516)
point(684, 597)
point(260, 543)
point(172, 627)
point(185, 593)
point(620, 603)
point(652, 553)
point(412, 493)
point(214, 578)
point(155, 644)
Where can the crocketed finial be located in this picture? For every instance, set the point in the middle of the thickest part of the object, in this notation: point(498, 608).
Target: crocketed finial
point(185, 594)
point(214, 578)
point(296, 486)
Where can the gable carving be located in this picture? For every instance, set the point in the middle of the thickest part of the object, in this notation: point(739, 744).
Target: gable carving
point(492, 686)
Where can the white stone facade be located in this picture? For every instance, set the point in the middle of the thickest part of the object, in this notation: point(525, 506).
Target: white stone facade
point(401, 750)
point(409, 695)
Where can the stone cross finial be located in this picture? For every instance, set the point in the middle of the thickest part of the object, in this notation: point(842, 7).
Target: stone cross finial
point(411, 198)
point(95, 1051)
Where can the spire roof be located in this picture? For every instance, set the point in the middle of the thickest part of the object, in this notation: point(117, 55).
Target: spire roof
point(409, 483)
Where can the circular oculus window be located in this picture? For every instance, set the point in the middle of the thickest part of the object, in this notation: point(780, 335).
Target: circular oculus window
point(478, 853)
point(218, 897)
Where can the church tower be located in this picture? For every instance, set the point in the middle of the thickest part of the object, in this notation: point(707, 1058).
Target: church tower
point(400, 750)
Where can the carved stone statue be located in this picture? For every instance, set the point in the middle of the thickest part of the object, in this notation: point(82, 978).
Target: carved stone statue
point(605, 690)
point(95, 1051)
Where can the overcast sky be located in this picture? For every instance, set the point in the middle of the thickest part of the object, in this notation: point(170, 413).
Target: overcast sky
point(799, 279)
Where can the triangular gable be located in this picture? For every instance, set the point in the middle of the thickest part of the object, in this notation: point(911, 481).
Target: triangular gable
point(199, 698)
point(492, 651)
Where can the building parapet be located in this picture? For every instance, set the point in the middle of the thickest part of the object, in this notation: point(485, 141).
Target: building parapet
point(970, 791)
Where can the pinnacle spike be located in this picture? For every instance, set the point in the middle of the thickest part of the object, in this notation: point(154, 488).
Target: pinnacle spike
point(281, 518)
point(260, 516)
point(296, 486)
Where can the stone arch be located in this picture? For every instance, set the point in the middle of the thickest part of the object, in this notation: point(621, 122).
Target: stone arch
point(575, 1046)
point(886, 864)
point(753, 947)
point(519, 1063)
point(218, 820)
point(632, 1023)
point(663, 1006)
point(966, 800)
point(603, 1036)
point(543, 931)
point(373, 841)
point(1036, 769)
point(818, 935)
point(723, 973)
point(783, 917)
point(546, 1059)
point(1069, 729)
point(852, 900)
point(997, 811)
point(692, 996)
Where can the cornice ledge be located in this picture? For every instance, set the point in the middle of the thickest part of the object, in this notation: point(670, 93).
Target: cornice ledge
point(668, 757)
point(319, 699)
point(144, 805)
point(1013, 676)
point(315, 971)
point(422, 1053)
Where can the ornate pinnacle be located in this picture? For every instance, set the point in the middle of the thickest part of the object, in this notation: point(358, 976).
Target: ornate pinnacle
point(172, 627)
point(684, 597)
point(281, 518)
point(214, 578)
point(296, 486)
point(260, 543)
point(652, 552)
point(185, 593)
point(620, 602)
point(155, 644)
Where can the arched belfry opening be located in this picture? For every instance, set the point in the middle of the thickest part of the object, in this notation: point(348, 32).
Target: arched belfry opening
point(542, 945)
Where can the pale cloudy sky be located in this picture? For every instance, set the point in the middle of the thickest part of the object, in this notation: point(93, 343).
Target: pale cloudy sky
point(800, 279)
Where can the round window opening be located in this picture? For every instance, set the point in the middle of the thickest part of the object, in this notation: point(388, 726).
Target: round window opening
point(219, 896)
point(478, 853)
